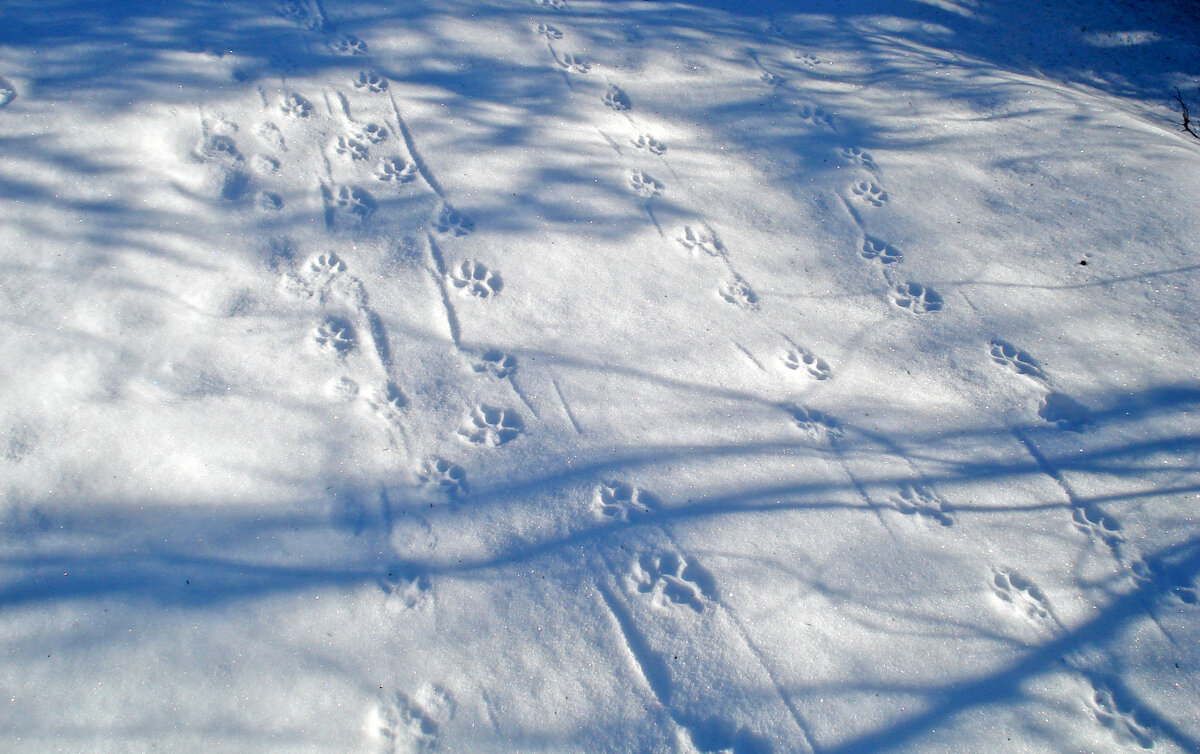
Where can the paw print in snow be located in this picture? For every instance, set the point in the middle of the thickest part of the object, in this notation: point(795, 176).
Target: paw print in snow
point(771, 79)
point(1063, 411)
point(916, 298)
point(356, 201)
point(859, 157)
point(549, 32)
point(350, 148)
point(295, 106)
point(334, 336)
point(815, 115)
point(738, 292)
point(1118, 718)
point(475, 278)
point(388, 403)
point(268, 201)
point(496, 363)
point(395, 169)
point(1090, 520)
point(814, 423)
point(700, 239)
point(880, 251)
point(807, 59)
point(325, 267)
point(1022, 595)
point(644, 186)
point(798, 359)
point(575, 64)
point(650, 144)
point(868, 193)
point(1008, 355)
point(1160, 582)
point(619, 501)
point(8, 93)
point(370, 81)
point(404, 590)
point(491, 427)
point(617, 100)
point(450, 220)
point(669, 580)
point(555, 4)
point(374, 133)
point(917, 500)
point(349, 45)
point(443, 476)
point(411, 724)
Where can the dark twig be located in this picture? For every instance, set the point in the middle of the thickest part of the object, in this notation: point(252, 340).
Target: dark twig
point(1187, 123)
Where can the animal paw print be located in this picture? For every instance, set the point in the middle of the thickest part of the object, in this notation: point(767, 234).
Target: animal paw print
point(650, 144)
point(916, 298)
point(1153, 574)
point(295, 106)
point(869, 193)
point(669, 580)
point(798, 359)
point(917, 500)
point(357, 201)
point(555, 4)
point(264, 164)
point(815, 115)
point(814, 423)
point(1021, 595)
point(859, 157)
point(325, 267)
point(491, 427)
point(644, 186)
point(807, 59)
point(1008, 355)
point(618, 501)
point(373, 133)
point(395, 170)
point(409, 724)
point(880, 251)
point(220, 147)
point(700, 239)
point(443, 476)
point(575, 64)
point(496, 363)
point(1119, 719)
point(270, 133)
point(268, 201)
point(389, 403)
point(349, 44)
point(551, 33)
point(8, 93)
point(618, 100)
point(350, 148)
point(450, 220)
point(1094, 522)
point(342, 389)
point(335, 336)
point(738, 292)
point(404, 590)
point(370, 81)
point(771, 79)
point(475, 278)
point(1063, 411)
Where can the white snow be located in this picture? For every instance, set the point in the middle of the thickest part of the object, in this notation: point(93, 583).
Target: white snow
point(576, 375)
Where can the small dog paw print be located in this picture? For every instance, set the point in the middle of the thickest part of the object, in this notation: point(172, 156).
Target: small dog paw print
point(491, 427)
point(295, 106)
point(917, 500)
point(334, 336)
point(916, 298)
point(388, 402)
point(618, 100)
point(575, 64)
point(549, 32)
point(496, 363)
point(555, 4)
point(669, 579)
point(443, 476)
point(350, 148)
point(859, 157)
point(801, 359)
point(644, 186)
point(450, 220)
point(476, 279)
point(1008, 355)
point(619, 501)
point(702, 240)
point(355, 200)
point(370, 81)
point(395, 170)
point(649, 144)
point(373, 133)
point(880, 251)
point(807, 59)
point(814, 423)
point(738, 292)
point(349, 45)
point(869, 193)
point(771, 79)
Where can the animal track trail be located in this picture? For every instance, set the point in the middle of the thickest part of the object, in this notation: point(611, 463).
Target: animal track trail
point(450, 221)
point(497, 363)
point(616, 99)
point(491, 427)
point(404, 589)
point(802, 360)
point(815, 116)
point(1121, 720)
point(880, 251)
point(644, 185)
point(445, 477)
point(702, 241)
point(648, 143)
point(916, 298)
point(1023, 597)
point(670, 579)
point(550, 33)
point(369, 81)
point(408, 724)
point(815, 424)
point(619, 501)
point(395, 170)
point(918, 500)
point(295, 106)
point(1010, 357)
point(476, 279)
point(735, 290)
point(859, 157)
point(869, 193)
point(334, 336)
point(348, 44)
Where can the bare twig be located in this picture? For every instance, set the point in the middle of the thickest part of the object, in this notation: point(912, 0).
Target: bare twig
point(1187, 122)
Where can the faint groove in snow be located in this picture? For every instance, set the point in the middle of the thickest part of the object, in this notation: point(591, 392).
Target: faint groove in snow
point(566, 408)
point(411, 146)
point(438, 271)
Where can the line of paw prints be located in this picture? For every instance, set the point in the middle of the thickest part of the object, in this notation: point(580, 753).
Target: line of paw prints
point(475, 278)
point(616, 99)
point(645, 185)
point(446, 477)
point(450, 221)
point(919, 500)
point(671, 579)
point(649, 144)
point(491, 427)
point(1120, 719)
point(802, 360)
point(735, 290)
point(413, 723)
point(369, 81)
point(1056, 408)
point(620, 501)
point(497, 363)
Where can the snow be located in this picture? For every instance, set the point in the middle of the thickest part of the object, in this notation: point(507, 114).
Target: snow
point(566, 375)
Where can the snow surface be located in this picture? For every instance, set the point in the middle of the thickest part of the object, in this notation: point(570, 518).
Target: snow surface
point(567, 375)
